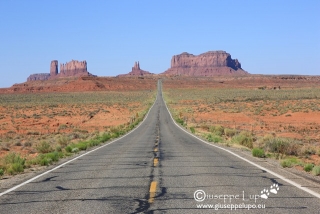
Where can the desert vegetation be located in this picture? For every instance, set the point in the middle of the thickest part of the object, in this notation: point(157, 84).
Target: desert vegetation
point(39, 129)
point(282, 124)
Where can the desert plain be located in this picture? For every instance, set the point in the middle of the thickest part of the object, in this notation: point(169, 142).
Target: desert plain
point(56, 115)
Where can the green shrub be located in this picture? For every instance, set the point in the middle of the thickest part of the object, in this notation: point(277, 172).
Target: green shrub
point(256, 152)
point(1, 172)
point(217, 130)
point(44, 161)
point(14, 158)
point(92, 142)
point(290, 162)
point(117, 133)
point(54, 156)
point(316, 170)
point(282, 146)
point(192, 130)
point(286, 163)
point(82, 145)
point(214, 138)
point(75, 150)
point(104, 137)
point(14, 163)
point(180, 121)
point(15, 168)
point(308, 167)
point(244, 139)
point(47, 159)
point(44, 147)
point(68, 149)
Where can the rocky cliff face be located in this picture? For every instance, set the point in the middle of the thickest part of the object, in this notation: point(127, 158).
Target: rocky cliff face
point(74, 68)
point(54, 68)
point(136, 71)
point(69, 69)
point(34, 77)
point(207, 64)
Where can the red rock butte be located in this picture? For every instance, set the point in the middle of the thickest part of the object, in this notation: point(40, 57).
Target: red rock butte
point(69, 69)
point(211, 63)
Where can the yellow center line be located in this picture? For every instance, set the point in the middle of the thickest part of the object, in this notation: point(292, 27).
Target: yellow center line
point(153, 188)
point(155, 161)
point(155, 149)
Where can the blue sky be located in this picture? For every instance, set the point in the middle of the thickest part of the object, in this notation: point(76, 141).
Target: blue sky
point(268, 37)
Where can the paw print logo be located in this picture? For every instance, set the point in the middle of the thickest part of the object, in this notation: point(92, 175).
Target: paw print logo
point(264, 193)
point(274, 188)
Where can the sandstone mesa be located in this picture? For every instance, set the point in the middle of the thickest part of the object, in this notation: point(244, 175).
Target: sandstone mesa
point(211, 63)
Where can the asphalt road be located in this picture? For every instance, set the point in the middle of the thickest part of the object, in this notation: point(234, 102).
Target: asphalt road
point(156, 169)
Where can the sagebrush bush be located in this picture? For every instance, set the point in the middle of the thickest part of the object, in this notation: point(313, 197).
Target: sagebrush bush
point(256, 152)
point(217, 130)
point(63, 141)
point(105, 137)
point(44, 147)
point(286, 163)
point(58, 149)
point(14, 163)
point(230, 132)
point(82, 145)
point(75, 150)
point(244, 139)
point(93, 142)
point(15, 168)
point(316, 170)
point(282, 146)
point(290, 162)
point(54, 156)
point(308, 150)
point(44, 162)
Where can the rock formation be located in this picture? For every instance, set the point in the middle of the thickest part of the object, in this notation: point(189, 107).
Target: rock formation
point(69, 69)
point(74, 68)
point(54, 68)
point(207, 64)
point(34, 77)
point(136, 71)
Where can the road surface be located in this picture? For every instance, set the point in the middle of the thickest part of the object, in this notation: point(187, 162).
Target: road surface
point(157, 168)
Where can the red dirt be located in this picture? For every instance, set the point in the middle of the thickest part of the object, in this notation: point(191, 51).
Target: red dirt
point(304, 124)
point(84, 84)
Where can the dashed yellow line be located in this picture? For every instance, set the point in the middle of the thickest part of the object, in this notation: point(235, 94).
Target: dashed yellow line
point(155, 161)
point(155, 149)
point(153, 188)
